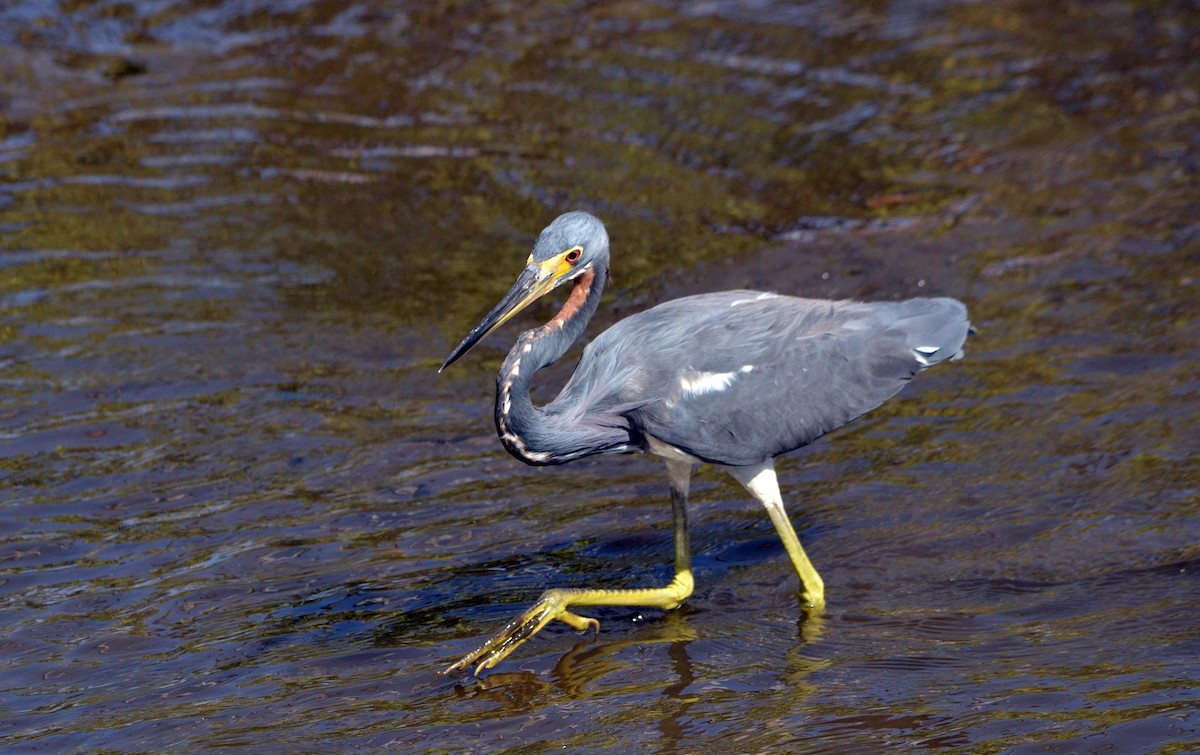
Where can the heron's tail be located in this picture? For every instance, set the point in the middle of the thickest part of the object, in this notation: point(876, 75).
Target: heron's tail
point(935, 329)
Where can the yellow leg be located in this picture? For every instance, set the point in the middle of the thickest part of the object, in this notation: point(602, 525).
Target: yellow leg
point(553, 604)
point(760, 481)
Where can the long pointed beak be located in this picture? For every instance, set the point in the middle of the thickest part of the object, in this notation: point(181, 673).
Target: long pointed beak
point(521, 295)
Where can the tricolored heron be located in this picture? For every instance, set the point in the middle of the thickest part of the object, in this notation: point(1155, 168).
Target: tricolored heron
point(735, 379)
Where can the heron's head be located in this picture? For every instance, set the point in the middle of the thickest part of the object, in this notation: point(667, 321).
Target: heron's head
point(573, 244)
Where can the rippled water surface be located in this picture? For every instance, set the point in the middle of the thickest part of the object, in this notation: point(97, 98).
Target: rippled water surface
point(238, 506)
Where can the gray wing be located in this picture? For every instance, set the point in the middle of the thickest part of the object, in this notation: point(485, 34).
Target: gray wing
point(740, 377)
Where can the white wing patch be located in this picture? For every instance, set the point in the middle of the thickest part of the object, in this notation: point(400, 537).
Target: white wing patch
point(924, 351)
point(700, 383)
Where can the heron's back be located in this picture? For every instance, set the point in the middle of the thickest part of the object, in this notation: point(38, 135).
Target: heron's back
point(738, 377)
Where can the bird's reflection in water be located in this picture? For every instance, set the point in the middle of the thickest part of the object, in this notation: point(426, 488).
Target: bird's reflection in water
point(800, 663)
point(581, 672)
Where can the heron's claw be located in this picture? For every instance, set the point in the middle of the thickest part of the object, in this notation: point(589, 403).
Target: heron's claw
point(550, 606)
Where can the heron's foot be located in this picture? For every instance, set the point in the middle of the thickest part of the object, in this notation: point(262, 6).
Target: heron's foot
point(813, 601)
point(812, 591)
point(550, 606)
point(553, 605)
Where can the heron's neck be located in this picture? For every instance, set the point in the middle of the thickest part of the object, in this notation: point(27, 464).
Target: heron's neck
point(526, 430)
point(549, 342)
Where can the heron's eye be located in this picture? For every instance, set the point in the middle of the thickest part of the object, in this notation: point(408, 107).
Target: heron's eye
point(574, 255)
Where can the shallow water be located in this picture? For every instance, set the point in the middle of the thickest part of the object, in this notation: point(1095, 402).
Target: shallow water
point(240, 507)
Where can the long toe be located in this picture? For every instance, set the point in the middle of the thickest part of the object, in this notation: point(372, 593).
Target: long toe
point(517, 631)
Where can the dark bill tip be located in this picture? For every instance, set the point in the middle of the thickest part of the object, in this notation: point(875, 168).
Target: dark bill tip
point(525, 290)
